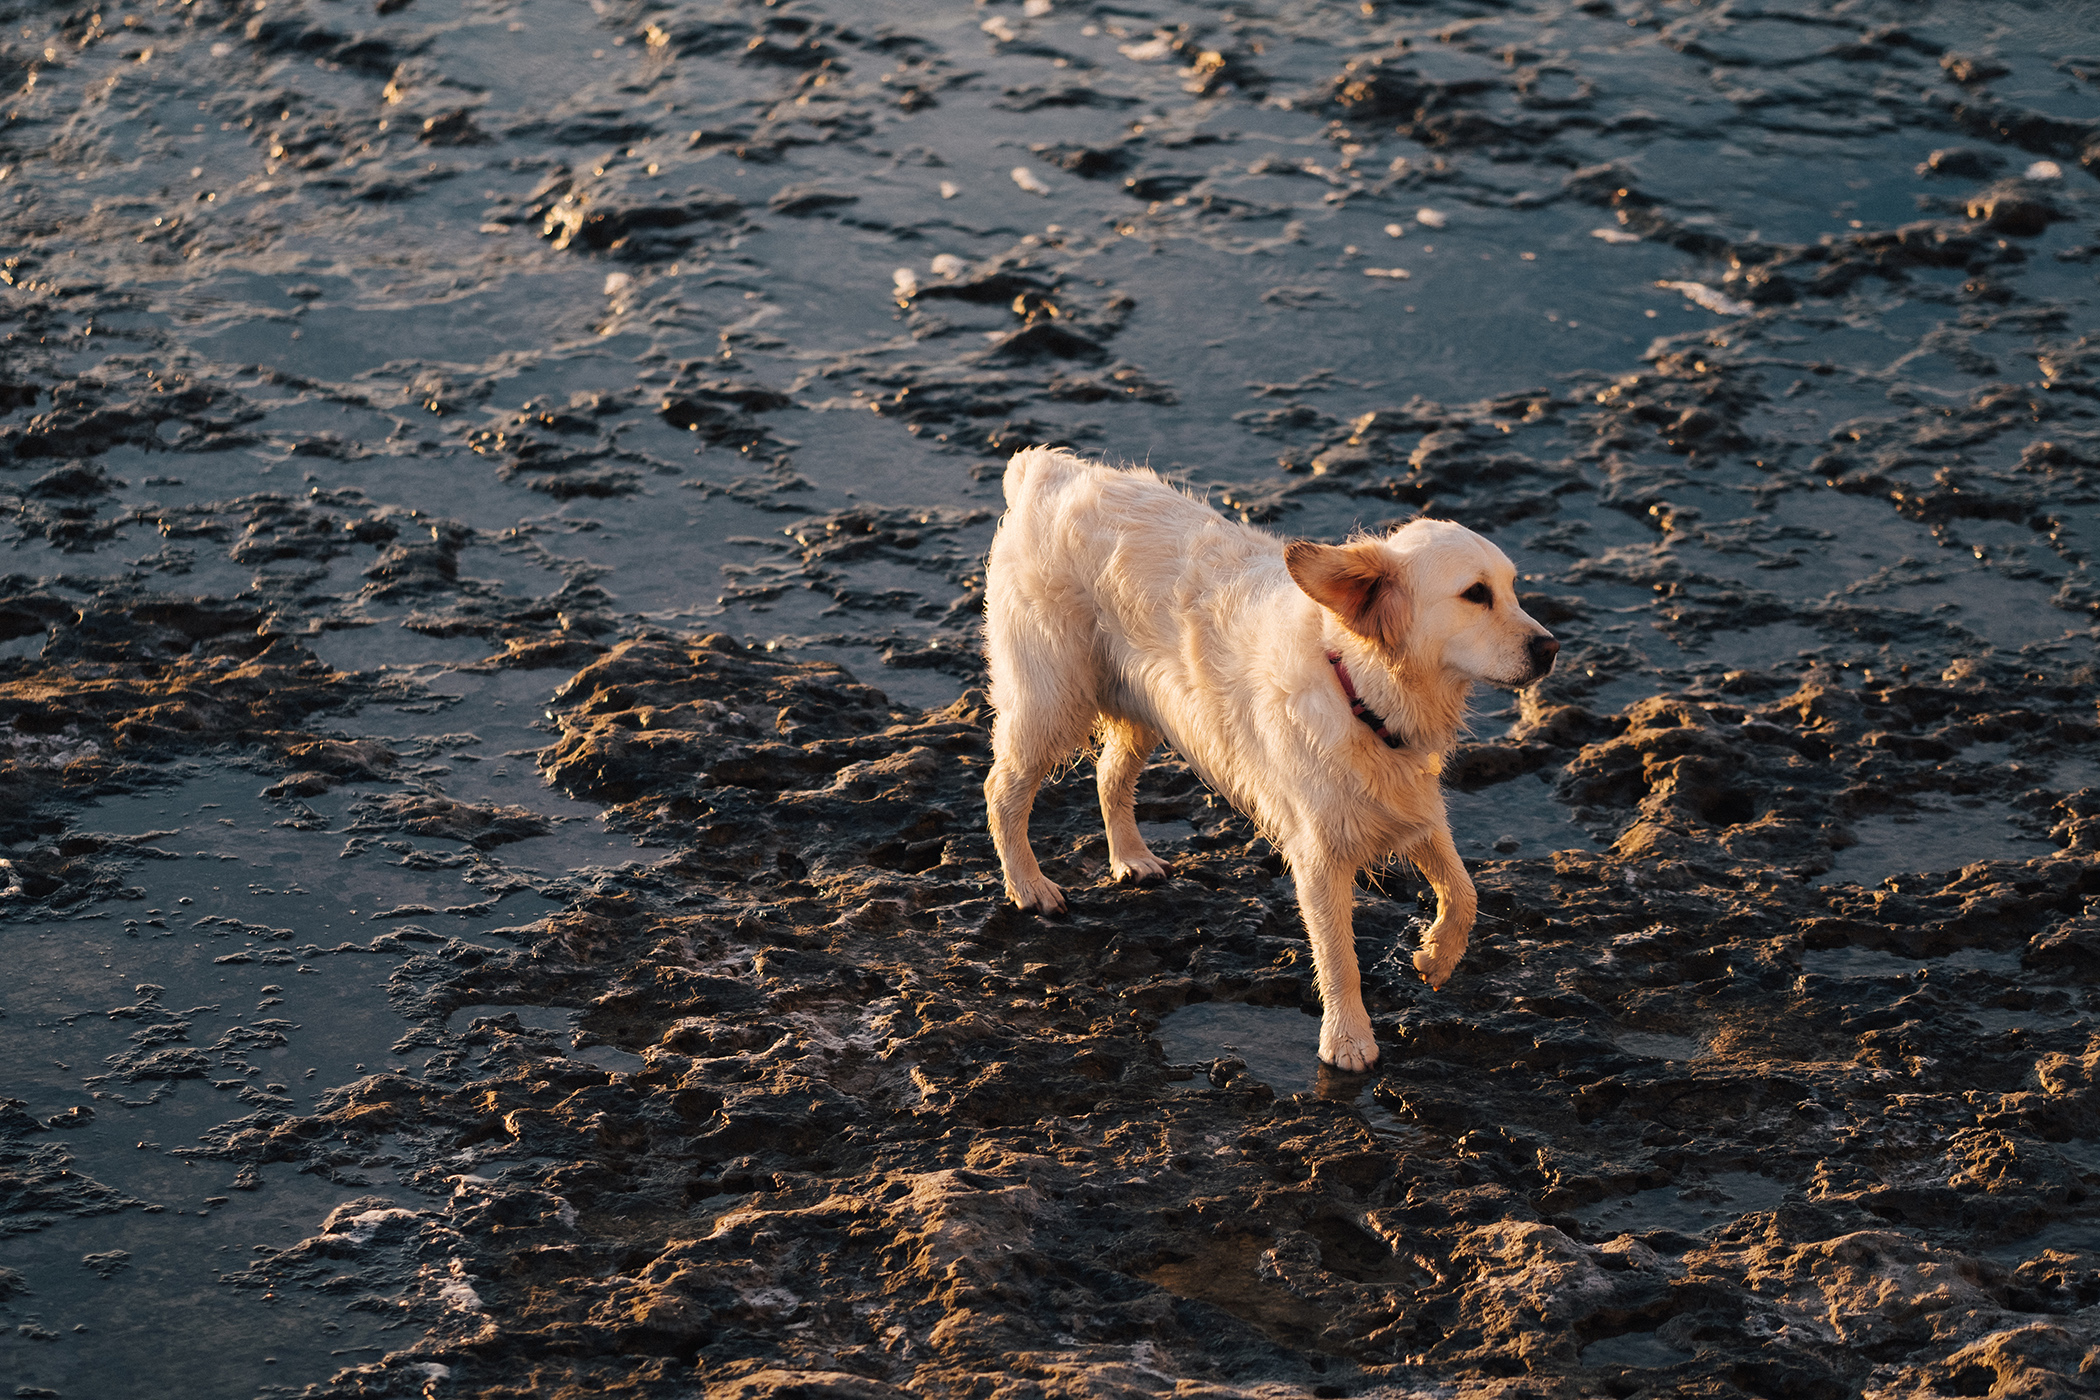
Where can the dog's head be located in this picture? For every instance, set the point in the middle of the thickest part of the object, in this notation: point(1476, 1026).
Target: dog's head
point(1432, 594)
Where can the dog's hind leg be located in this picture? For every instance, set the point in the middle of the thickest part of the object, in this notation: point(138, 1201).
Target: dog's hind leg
point(1125, 745)
point(1326, 892)
point(1038, 722)
point(1456, 905)
point(1023, 754)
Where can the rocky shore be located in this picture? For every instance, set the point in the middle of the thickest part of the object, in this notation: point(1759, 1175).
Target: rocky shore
point(496, 890)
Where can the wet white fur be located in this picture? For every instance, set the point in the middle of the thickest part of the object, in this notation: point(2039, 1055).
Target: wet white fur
point(1117, 606)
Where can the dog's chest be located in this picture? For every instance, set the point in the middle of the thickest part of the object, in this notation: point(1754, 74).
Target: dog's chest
point(1385, 803)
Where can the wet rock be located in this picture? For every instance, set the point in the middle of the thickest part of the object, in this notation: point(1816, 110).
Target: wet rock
point(297, 31)
point(2014, 207)
point(1034, 98)
point(478, 825)
point(703, 721)
point(750, 397)
point(1966, 162)
point(341, 759)
point(799, 201)
point(992, 284)
point(1091, 162)
point(73, 481)
point(1696, 429)
point(14, 1121)
point(426, 566)
point(454, 128)
point(530, 653)
point(601, 485)
point(168, 1064)
point(1344, 461)
point(609, 214)
point(1380, 87)
point(1120, 382)
point(163, 677)
point(715, 422)
point(366, 1219)
point(1046, 340)
point(1434, 111)
point(1971, 69)
point(772, 1384)
point(1762, 286)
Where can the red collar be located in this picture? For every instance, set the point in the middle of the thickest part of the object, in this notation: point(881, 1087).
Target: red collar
point(1358, 708)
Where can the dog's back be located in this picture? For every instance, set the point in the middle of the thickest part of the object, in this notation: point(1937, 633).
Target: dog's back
point(1116, 554)
point(1115, 602)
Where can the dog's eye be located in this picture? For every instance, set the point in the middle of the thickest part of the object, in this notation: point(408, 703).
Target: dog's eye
point(1479, 593)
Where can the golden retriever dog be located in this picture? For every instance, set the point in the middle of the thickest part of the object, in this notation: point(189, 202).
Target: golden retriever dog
point(1317, 687)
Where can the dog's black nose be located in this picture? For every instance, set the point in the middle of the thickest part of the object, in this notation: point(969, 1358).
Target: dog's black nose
point(1543, 650)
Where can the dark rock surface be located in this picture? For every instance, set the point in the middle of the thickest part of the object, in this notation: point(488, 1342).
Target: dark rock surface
point(1679, 1108)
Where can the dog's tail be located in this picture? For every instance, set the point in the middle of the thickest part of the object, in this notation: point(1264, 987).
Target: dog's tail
point(1034, 467)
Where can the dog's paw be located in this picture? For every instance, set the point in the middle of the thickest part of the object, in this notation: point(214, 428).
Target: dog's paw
point(1436, 966)
point(1145, 869)
point(1038, 895)
point(1348, 1048)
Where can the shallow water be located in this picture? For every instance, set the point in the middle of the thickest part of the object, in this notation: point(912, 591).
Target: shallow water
point(1516, 818)
point(2074, 1237)
point(1273, 1043)
point(1932, 841)
point(639, 331)
point(1875, 962)
point(78, 1332)
point(1642, 1349)
point(1270, 1039)
point(1695, 1207)
point(259, 941)
point(561, 1024)
point(1658, 1045)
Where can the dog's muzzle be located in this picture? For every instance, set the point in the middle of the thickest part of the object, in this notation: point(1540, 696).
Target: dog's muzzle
point(1541, 650)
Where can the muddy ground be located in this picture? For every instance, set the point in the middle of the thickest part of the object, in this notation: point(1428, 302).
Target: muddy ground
point(500, 488)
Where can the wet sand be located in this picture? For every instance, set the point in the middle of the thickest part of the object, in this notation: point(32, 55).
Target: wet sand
point(496, 889)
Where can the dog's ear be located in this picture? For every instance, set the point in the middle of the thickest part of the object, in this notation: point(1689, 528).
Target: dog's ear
point(1359, 583)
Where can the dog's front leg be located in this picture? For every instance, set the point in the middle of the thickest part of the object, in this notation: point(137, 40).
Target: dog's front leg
point(1325, 894)
point(1445, 943)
